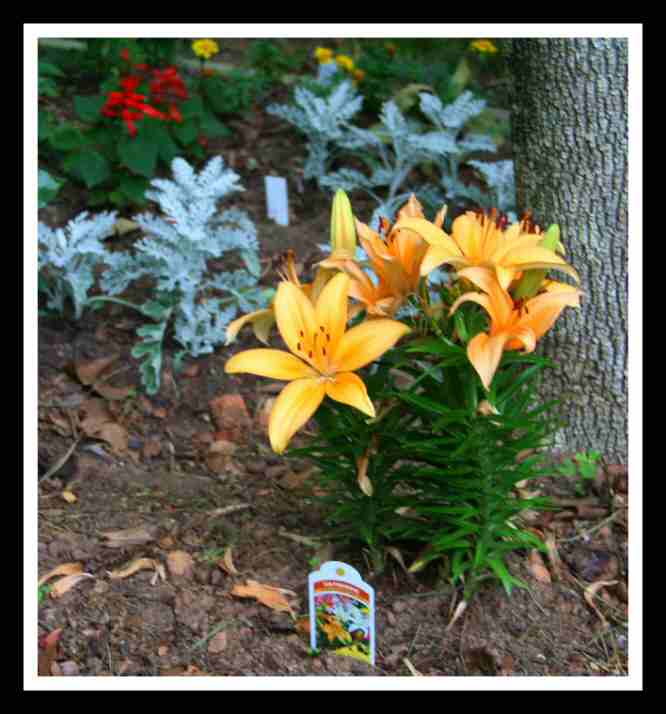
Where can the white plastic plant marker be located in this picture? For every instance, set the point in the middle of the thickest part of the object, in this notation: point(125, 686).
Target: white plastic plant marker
point(277, 204)
point(342, 612)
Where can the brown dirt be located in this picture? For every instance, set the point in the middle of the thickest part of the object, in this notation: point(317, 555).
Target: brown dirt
point(160, 475)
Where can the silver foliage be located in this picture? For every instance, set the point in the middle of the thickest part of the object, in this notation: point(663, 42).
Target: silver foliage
point(178, 241)
point(70, 256)
point(393, 148)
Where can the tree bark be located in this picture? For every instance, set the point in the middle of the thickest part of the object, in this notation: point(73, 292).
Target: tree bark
point(569, 130)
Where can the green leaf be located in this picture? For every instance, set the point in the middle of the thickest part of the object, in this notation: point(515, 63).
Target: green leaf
point(89, 109)
point(568, 468)
point(133, 188)
point(186, 132)
point(67, 138)
point(98, 197)
point(44, 125)
point(191, 108)
point(49, 70)
point(211, 126)
point(502, 573)
point(91, 166)
point(139, 153)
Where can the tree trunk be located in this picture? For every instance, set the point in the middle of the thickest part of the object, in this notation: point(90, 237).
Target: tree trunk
point(569, 126)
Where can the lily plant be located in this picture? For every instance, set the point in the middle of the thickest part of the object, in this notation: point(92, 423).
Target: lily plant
point(426, 445)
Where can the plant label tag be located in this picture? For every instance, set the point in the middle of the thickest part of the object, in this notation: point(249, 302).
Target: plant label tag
point(277, 205)
point(342, 612)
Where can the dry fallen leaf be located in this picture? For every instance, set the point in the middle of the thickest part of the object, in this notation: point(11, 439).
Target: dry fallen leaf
point(135, 566)
point(64, 585)
point(130, 536)
point(124, 225)
point(292, 480)
point(64, 569)
point(554, 557)
point(536, 566)
point(266, 594)
point(226, 563)
point(48, 647)
point(218, 643)
point(69, 497)
point(414, 672)
point(180, 563)
point(395, 553)
point(462, 606)
point(590, 592)
point(108, 391)
point(89, 372)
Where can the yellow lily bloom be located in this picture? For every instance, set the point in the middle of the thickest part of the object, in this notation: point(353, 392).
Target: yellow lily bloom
point(263, 320)
point(513, 326)
point(396, 260)
point(476, 240)
point(322, 356)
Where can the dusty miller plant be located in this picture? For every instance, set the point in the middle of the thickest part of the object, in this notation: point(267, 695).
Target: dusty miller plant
point(68, 257)
point(174, 252)
point(395, 148)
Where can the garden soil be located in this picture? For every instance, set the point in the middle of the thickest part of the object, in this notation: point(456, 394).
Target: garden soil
point(170, 502)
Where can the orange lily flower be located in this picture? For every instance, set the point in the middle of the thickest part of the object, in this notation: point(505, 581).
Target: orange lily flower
point(396, 260)
point(322, 356)
point(476, 240)
point(263, 320)
point(511, 327)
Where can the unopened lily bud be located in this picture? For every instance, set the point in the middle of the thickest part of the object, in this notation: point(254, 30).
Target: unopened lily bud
point(529, 284)
point(343, 230)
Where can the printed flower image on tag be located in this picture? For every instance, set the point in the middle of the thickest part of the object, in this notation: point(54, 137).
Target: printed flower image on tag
point(342, 612)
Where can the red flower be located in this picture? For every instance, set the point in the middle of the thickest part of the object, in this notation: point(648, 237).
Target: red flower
point(124, 54)
point(129, 105)
point(174, 113)
point(167, 86)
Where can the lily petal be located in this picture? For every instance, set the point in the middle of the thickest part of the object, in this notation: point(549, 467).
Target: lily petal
point(349, 388)
point(429, 232)
point(233, 328)
point(294, 314)
point(295, 404)
point(542, 310)
point(366, 342)
point(437, 255)
point(274, 364)
point(331, 310)
point(500, 300)
point(485, 353)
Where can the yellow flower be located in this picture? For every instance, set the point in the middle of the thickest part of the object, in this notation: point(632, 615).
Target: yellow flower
point(323, 55)
point(396, 260)
point(205, 48)
point(347, 63)
point(263, 320)
point(512, 325)
point(322, 356)
point(476, 240)
point(484, 46)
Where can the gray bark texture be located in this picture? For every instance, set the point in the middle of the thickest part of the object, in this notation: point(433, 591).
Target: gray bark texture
point(569, 131)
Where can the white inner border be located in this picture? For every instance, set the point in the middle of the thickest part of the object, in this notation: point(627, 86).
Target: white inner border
point(634, 32)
